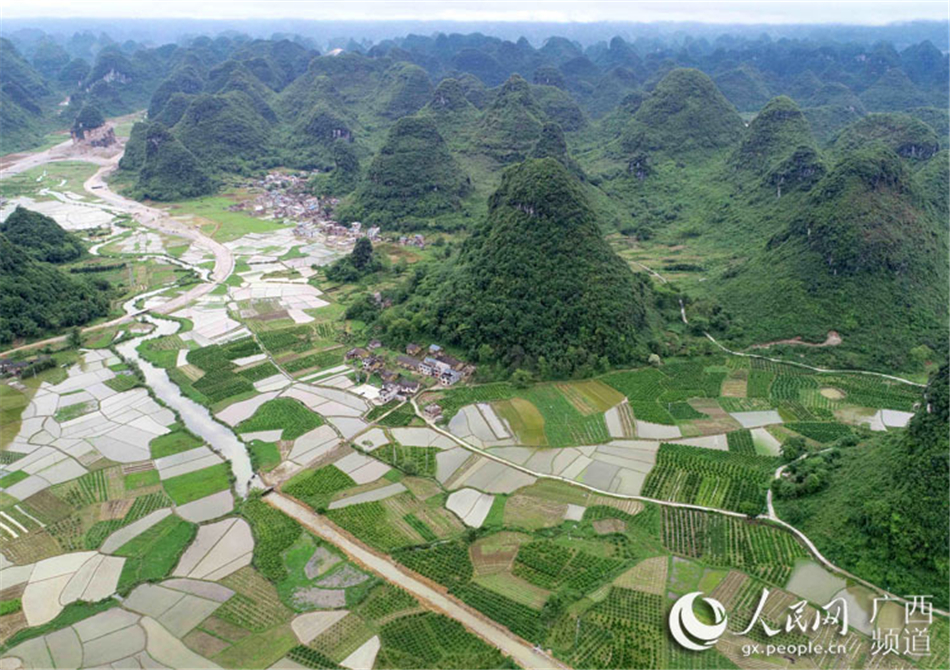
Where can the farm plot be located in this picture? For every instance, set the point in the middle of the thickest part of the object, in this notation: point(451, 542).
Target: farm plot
point(563, 424)
point(552, 566)
point(709, 478)
point(590, 396)
point(317, 487)
point(740, 442)
point(282, 413)
point(153, 554)
point(874, 393)
point(525, 420)
point(762, 550)
point(371, 523)
point(430, 640)
point(517, 617)
point(446, 563)
point(274, 532)
point(649, 576)
point(198, 484)
point(624, 630)
point(411, 460)
point(821, 432)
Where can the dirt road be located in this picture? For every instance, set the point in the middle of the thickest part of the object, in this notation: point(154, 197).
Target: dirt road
point(522, 652)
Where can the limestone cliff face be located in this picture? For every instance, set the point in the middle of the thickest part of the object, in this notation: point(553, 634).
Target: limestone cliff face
point(103, 136)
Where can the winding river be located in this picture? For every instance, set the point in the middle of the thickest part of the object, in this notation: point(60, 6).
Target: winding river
point(196, 417)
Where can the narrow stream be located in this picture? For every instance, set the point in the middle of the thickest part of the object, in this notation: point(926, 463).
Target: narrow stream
point(196, 417)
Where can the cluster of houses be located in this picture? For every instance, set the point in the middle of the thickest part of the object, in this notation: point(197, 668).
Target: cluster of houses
point(286, 197)
point(433, 362)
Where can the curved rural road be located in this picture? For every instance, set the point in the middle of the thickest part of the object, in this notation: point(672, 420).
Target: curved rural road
point(528, 657)
point(150, 217)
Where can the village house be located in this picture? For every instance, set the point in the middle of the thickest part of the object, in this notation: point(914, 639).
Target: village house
point(388, 375)
point(372, 363)
point(400, 388)
point(433, 411)
point(436, 366)
point(408, 362)
point(11, 367)
point(358, 352)
point(408, 387)
point(374, 344)
point(387, 393)
point(450, 377)
point(413, 349)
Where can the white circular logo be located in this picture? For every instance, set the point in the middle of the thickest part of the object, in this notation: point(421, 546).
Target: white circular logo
point(689, 631)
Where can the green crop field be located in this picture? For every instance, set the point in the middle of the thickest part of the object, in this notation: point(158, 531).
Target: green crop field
point(725, 480)
point(199, 484)
point(820, 432)
point(153, 554)
point(178, 440)
point(430, 640)
point(552, 566)
point(282, 413)
point(624, 630)
point(411, 460)
point(447, 563)
point(761, 549)
point(316, 487)
point(273, 532)
point(740, 442)
point(370, 522)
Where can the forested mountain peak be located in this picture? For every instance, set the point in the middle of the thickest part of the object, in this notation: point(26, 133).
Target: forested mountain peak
point(774, 134)
point(538, 282)
point(685, 112)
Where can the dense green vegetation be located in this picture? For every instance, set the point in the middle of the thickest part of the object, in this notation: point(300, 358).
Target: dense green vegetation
point(36, 297)
point(169, 171)
point(41, 237)
point(411, 179)
point(880, 509)
point(360, 262)
point(537, 284)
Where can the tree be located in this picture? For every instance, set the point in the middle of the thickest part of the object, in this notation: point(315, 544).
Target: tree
point(792, 448)
point(362, 255)
point(521, 378)
point(75, 338)
point(749, 508)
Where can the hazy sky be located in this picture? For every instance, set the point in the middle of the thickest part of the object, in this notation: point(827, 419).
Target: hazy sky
point(813, 11)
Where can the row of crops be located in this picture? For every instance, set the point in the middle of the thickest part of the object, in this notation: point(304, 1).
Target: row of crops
point(552, 566)
point(720, 479)
point(719, 540)
point(658, 395)
point(624, 630)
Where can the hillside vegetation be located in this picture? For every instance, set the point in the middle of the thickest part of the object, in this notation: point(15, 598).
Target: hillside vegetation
point(884, 514)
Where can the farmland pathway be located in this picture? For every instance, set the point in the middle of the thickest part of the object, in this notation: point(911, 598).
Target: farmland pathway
point(527, 656)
